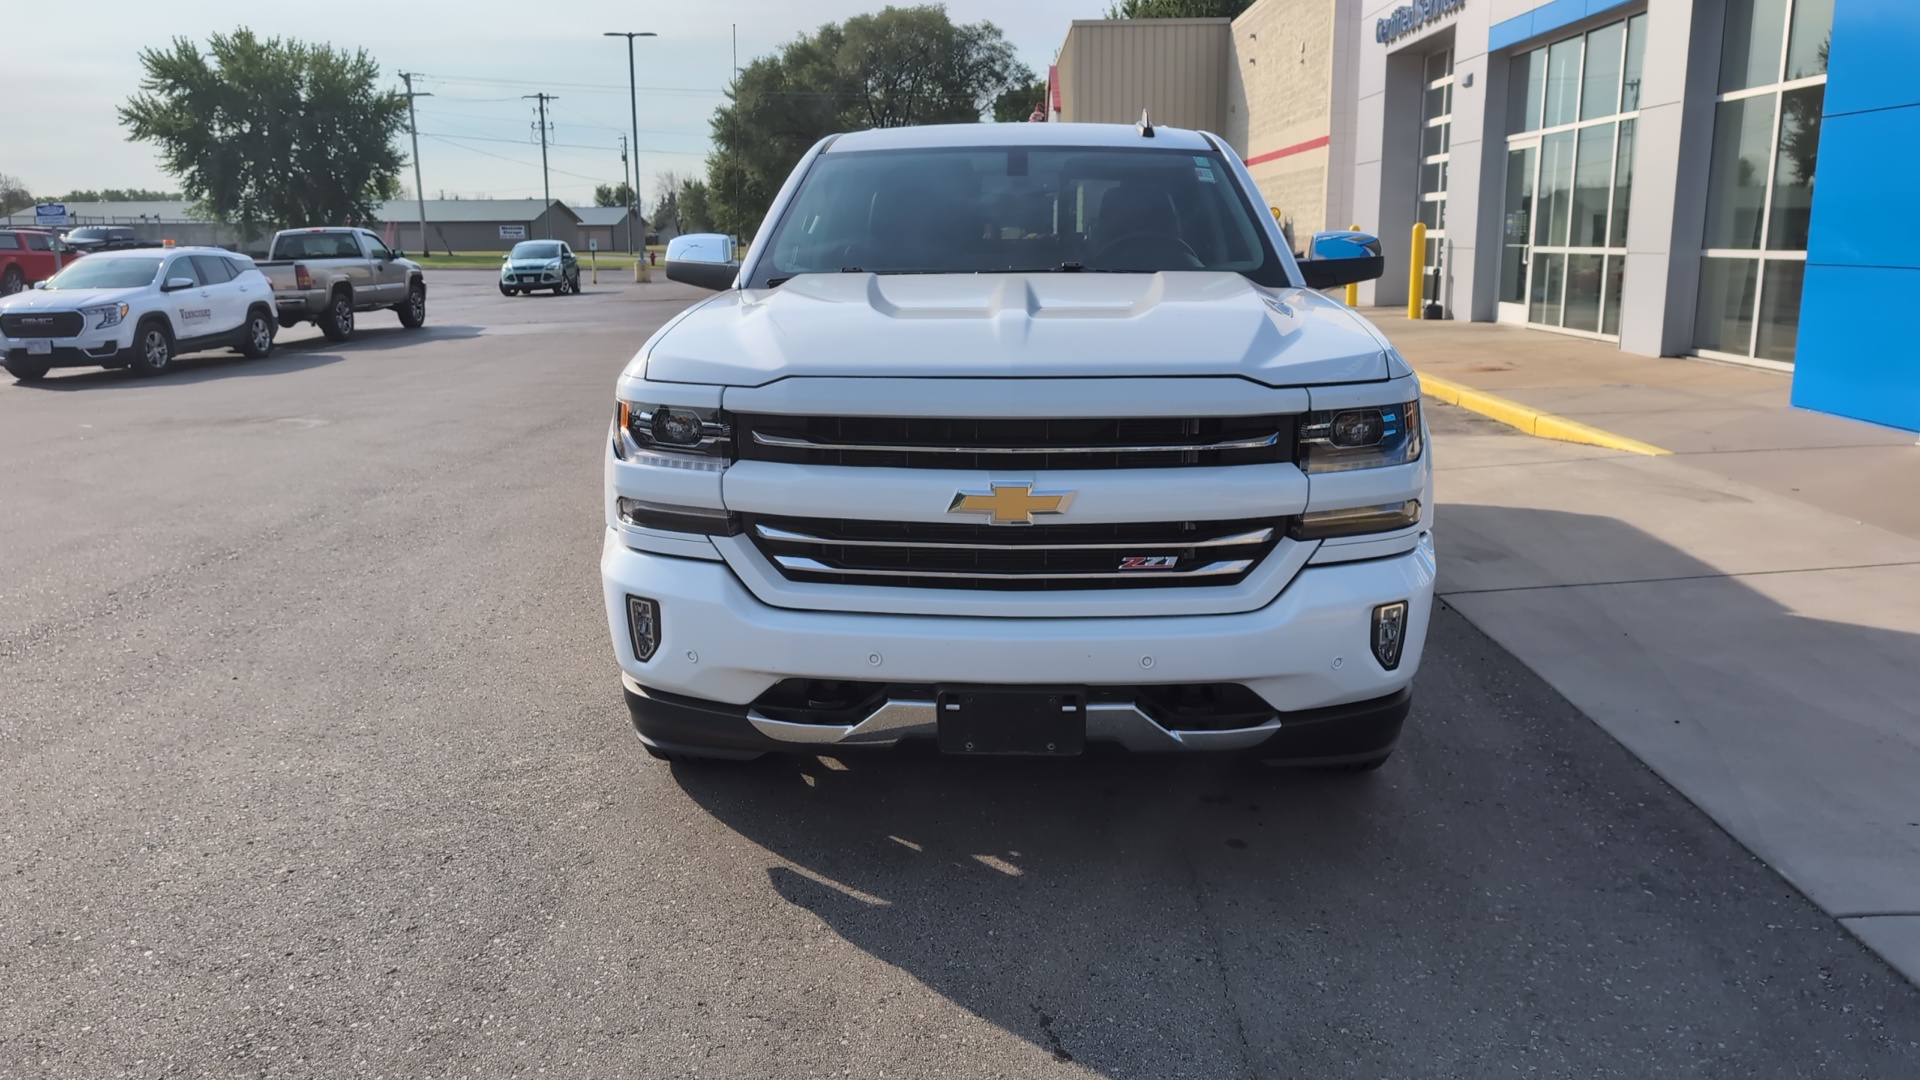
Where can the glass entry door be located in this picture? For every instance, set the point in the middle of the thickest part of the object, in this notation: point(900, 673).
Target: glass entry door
point(1516, 232)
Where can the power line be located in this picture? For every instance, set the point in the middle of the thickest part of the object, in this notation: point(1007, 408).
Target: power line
point(503, 157)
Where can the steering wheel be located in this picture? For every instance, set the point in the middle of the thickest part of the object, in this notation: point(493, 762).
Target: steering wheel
point(1143, 243)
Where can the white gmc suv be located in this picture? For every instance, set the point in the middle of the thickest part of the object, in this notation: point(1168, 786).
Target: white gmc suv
point(1017, 438)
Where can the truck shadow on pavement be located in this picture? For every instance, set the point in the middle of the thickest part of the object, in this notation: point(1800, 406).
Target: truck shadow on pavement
point(381, 338)
point(1513, 891)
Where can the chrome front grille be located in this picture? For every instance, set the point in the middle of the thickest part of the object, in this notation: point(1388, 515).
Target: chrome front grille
point(1031, 557)
point(940, 443)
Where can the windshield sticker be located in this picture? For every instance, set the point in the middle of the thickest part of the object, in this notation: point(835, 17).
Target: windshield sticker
point(1203, 168)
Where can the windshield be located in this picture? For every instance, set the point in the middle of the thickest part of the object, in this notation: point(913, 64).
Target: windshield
point(103, 272)
point(90, 234)
point(1002, 209)
point(536, 249)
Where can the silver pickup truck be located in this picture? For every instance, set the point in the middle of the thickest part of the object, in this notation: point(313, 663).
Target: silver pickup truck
point(325, 275)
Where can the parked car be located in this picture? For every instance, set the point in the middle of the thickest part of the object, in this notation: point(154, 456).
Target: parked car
point(325, 275)
point(138, 309)
point(540, 264)
point(28, 256)
point(1013, 439)
point(105, 238)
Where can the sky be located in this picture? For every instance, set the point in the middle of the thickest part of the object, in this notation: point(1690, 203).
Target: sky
point(60, 132)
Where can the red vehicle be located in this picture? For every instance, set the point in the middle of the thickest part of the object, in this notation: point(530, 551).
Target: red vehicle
point(29, 255)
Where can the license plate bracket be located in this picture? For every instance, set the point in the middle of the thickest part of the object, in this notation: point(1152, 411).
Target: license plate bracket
point(39, 348)
point(1042, 721)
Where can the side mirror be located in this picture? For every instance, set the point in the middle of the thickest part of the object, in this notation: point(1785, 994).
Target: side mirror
point(399, 254)
point(702, 259)
point(1342, 258)
point(175, 284)
point(39, 284)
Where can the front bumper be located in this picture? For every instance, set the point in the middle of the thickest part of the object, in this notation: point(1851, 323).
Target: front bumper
point(723, 648)
point(525, 278)
point(94, 348)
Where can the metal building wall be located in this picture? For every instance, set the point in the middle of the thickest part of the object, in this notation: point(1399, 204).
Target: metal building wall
point(1175, 68)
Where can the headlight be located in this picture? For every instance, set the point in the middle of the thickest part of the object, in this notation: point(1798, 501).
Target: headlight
point(108, 314)
point(554, 265)
point(673, 436)
point(1340, 439)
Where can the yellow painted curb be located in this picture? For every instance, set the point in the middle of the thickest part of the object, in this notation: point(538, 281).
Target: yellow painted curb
point(1544, 425)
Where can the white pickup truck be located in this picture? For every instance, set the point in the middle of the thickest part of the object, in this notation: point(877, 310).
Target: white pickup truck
point(1014, 438)
point(325, 275)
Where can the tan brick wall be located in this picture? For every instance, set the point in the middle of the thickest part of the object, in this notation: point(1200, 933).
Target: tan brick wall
point(1279, 95)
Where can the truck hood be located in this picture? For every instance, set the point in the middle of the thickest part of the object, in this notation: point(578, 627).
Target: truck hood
point(1016, 325)
point(65, 299)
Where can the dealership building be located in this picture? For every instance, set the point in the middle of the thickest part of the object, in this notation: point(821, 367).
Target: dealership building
point(1641, 172)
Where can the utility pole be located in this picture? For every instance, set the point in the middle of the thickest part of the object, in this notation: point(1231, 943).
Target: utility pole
point(546, 187)
point(633, 193)
point(419, 193)
point(633, 103)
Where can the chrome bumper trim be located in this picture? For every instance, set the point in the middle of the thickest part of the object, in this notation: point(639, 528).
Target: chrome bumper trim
point(1107, 721)
point(768, 532)
point(791, 443)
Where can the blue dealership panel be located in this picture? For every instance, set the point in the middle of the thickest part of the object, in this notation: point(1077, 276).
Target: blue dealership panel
point(1855, 355)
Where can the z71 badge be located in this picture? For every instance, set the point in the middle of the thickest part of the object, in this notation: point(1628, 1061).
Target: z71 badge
point(1149, 562)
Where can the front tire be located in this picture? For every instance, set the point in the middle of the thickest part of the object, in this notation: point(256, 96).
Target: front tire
point(413, 313)
point(337, 322)
point(152, 350)
point(13, 282)
point(504, 291)
point(258, 344)
point(28, 370)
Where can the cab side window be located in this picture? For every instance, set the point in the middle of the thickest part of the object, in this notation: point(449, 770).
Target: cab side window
point(9, 241)
point(213, 269)
point(37, 242)
point(377, 250)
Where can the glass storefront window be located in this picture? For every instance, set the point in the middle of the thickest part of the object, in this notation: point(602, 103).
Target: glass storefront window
point(1563, 82)
point(1436, 138)
point(1766, 143)
point(1737, 179)
point(1600, 83)
point(1807, 43)
point(1622, 187)
point(1750, 47)
point(1616, 280)
point(1792, 203)
point(1516, 226)
point(1780, 310)
point(1434, 141)
point(1526, 89)
point(1583, 292)
point(1723, 320)
point(1636, 59)
point(1556, 187)
point(1544, 304)
point(1592, 182)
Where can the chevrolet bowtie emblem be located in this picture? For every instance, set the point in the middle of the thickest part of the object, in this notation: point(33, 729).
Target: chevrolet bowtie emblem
point(1010, 504)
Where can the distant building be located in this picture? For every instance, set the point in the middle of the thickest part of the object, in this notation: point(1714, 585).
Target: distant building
point(475, 224)
point(617, 228)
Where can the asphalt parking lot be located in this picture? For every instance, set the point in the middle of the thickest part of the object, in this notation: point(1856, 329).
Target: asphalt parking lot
point(313, 762)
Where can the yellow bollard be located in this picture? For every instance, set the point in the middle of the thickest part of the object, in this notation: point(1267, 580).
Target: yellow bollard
point(1353, 290)
point(1416, 278)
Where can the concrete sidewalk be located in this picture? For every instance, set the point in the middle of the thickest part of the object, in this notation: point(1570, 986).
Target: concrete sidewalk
point(1731, 421)
point(1744, 614)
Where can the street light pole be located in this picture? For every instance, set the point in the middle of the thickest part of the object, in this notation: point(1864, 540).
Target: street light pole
point(633, 103)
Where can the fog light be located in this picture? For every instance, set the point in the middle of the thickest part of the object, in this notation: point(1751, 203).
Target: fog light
point(643, 622)
point(1389, 633)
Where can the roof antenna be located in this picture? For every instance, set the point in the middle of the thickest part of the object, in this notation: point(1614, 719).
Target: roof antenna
point(1145, 125)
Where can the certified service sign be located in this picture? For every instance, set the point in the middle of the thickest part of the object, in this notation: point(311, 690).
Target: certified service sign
point(1405, 20)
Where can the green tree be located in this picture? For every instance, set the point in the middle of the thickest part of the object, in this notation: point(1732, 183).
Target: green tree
point(120, 195)
point(270, 131)
point(900, 67)
point(696, 209)
point(13, 194)
point(1178, 9)
point(1016, 106)
point(613, 195)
